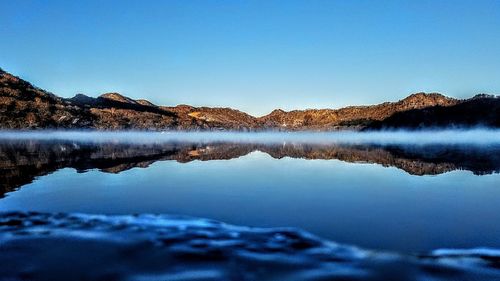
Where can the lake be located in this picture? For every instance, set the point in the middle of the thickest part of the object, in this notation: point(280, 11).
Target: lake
point(398, 191)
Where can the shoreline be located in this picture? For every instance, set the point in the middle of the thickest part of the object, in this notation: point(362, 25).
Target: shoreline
point(54, 246)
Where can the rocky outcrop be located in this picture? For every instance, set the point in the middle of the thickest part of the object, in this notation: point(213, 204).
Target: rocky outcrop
point(23, 106)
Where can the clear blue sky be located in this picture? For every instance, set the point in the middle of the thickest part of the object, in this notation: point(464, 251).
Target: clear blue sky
point(254, 55)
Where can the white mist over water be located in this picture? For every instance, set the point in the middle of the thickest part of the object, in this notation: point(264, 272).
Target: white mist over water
point(478, 136)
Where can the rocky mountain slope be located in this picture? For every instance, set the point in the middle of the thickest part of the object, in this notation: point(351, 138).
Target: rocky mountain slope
point(352, 116)
point(481, 110)
point(24, 106)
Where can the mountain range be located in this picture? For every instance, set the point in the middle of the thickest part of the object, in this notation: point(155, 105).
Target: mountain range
point(25, 106)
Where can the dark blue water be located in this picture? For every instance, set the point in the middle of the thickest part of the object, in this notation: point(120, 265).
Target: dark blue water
point(401, 197)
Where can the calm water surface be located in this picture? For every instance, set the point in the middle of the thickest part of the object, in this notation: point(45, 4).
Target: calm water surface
point(392, 195)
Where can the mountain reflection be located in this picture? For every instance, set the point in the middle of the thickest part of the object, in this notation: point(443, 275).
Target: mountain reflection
point(23, 160)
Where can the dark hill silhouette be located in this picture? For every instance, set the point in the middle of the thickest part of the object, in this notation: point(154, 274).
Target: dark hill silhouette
point(477, 111)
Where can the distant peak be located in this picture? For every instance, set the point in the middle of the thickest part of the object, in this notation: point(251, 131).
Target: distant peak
point(79, 95)
point(422, 95)
point(184, 106)
point(118, 97)
point(81, 99)
point(420, 100)
point(277, 111)
point(145, 102)
point(427, 97)
point(483, 96)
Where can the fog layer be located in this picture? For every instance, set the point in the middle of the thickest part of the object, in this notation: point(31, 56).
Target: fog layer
point(451, 136)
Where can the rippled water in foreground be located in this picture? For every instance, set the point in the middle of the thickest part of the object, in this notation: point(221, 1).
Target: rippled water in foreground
point(404, 192)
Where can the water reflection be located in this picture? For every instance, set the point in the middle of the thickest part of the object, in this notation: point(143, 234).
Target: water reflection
point(23, 160)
